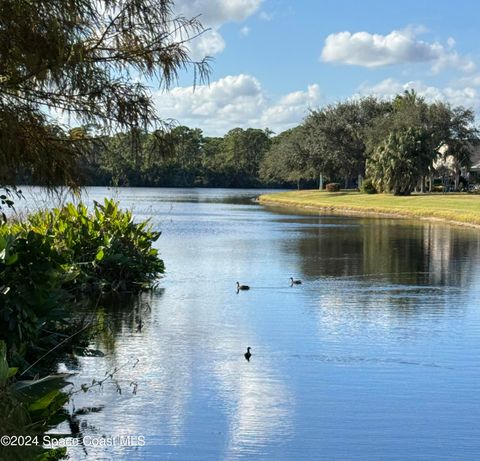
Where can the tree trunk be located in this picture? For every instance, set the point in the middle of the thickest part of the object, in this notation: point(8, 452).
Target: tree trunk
point(320, 182)
point(430, 185)
point(457, 180)
point(346, 182)
point(298, 184)
point(360, 181)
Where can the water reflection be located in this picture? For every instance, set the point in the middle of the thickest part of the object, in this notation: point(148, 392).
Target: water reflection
point(386, 321)
point(398, 251)
point(260, 406)
point(175, 349)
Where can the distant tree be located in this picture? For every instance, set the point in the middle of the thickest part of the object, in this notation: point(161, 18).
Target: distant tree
point(399, 162)
point(323, 155)
point(454, 127)
point(213, 170)
point(184, 163)
point(440, 123)
point(287, 159)
point(241, 154)
point(407, 110)
point(335, 136)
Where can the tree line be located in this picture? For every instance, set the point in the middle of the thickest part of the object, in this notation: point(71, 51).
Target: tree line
point(179, 157)
point(392, 143)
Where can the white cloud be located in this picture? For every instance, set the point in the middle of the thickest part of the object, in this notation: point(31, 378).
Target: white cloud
point(471, 80)
point(213, 14)
point(209, 43)
point(466, 96)
point(398, 47)
point(235, 101)
point(291, 108)
point(245, 31)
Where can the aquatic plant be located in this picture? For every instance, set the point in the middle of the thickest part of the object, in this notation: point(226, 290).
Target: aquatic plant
point(56, 259)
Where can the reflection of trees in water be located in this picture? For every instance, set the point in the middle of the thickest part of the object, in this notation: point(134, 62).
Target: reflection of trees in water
point(120, 314)
point(101, 322)
point(398, 251)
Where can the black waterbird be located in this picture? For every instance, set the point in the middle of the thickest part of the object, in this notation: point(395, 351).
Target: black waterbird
point(242, 287)
point(247, 354)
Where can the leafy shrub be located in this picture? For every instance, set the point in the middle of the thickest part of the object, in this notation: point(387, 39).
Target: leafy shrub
point(61, 255)
point(332, 187)
point(32, 274)
point(106, 247)
point(49, 263)
point(368, 187)
point(29, 408)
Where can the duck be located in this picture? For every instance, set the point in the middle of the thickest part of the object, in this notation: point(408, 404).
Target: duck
point(242, 287)
point(295, 282)
point(247, 354)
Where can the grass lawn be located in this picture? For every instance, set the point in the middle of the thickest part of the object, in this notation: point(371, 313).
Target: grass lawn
point(453, 207)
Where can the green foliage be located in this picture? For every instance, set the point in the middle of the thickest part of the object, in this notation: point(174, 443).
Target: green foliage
point(334, 136)
point(338, 140)
point(29, 408)
point(107, 248)
point(58, 256)
point(51, 260)
point(32, 273)
point(332, 187)
point(242, 153)
point(334, 141)
point(6, 372)
point(183, 157)
point(398, 164)
point(368, 187)
point(287, 159)
point(442, 124)
point(79, 56)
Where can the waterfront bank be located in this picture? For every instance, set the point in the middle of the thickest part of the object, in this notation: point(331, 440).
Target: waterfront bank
point(455, 208)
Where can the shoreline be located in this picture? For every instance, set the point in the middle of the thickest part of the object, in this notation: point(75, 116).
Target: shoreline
point(369, 210)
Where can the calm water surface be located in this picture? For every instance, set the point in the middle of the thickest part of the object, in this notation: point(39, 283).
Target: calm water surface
point(375, 356)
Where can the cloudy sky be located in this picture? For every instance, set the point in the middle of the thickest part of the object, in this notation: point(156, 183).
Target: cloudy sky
point(273, 60)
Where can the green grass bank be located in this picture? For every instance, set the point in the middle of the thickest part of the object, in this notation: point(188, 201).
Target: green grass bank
point(456, 208)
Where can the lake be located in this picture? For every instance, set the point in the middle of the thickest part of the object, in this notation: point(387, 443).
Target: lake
point(376, 355)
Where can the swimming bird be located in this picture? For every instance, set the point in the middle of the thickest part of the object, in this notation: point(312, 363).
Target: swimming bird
point(242, 287)
point(295, 282)
point(247, 354)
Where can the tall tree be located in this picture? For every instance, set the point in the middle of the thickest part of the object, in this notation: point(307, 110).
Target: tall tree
point(242, 153)
point(453, 127)
point(82, 59)
point(287, 159)
point(441, 125)
point(335, 136)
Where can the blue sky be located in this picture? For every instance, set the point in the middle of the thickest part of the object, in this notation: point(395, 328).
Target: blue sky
point(276, 59)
